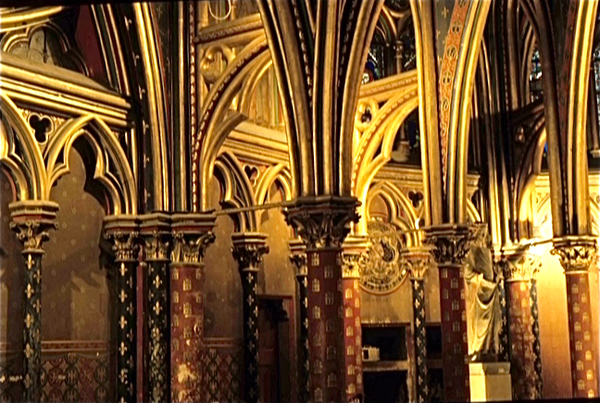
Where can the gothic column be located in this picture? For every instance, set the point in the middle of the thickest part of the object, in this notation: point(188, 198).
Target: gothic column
point(353, 256)
point(298, 259)
point(321, 223)
point(156, 233)
point(31, 220)
point(419, 261)
point(248, 250)
point(123, 233)
point(451, 245)
point(192, 234)
point(576, 254)
point(520, 269)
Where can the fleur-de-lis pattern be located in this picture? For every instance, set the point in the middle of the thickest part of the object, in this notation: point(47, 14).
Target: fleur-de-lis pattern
point(420, 337)
point(537, 350)
point(248, 251)
point(125, 248)
point(298, 259)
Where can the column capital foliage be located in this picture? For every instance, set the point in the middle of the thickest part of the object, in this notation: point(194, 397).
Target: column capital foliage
point(419, 261)
point(322, 222)
point(450, 243)
point(248, 249)
point(576, 253)
point(519, 264)
point(31, 221)
point(190, 248)
point(298, 257)
point(124, 245)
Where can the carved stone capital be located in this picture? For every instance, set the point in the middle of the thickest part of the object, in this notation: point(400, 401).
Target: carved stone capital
point(155, 230)
point(322, 222)
point(518, 264)
point(354, 256)
point(450, 243)
point(190, 248)
point(298, 257)
point(123, 233)
point(576, 253)
point(248, 249)
point(419, 262)
point(31, 220)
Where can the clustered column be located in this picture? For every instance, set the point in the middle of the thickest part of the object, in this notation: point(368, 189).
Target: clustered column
point(450, 247)
point(248, 250)
point(31, 220)
point(576, 255)
point(123, 234)
point(321, 223)
point(156, 232)
point(520, 269)
point(419, 261)
point(192, 234)
point(298, 259)
point(355, 249)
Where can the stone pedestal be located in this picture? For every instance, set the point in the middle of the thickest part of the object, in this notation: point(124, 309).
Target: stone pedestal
point(490, 381)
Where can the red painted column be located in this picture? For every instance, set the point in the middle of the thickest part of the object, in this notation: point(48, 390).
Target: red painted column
point(576, 255)
point(353, 255)
point(322, 224)
point(192, 234)
point(450, 250)
point(520, 269)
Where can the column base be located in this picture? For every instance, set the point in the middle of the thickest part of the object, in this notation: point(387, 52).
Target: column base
point(490, 381)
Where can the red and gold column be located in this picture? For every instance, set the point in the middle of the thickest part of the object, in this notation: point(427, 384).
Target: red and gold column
point(576, 255)
point(298, 259)
point(353, 255)
point(520, 269)
point(123, 233)
point(192, 234)
point(248, 250)
point(419, 261)
point(322, 222)
point(31, 220)
point(450, 247)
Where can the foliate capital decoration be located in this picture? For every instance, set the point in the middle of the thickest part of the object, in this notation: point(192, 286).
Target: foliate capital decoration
point(155, 229)
point(354, 256)
point(31, 220)
point(450, 243)
point(576, 253)
point(248, 249)
point(520, 264)
point(419, 261)
point(190, 248)
point(125, 245)
point(322, 222)
point(298, 257)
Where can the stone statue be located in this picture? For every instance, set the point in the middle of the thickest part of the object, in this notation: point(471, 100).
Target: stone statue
point(484, 314)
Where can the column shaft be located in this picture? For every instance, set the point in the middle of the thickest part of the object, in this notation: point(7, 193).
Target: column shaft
point(420, 339)
point(31, 220)
point(192, 234)
point(298, 259)
point(156, 231)
point(326, 320)
point(576, 253)
point(352, 338)
point(454, 333)
point(248, 251)
point(521, 340)
point(123, 237)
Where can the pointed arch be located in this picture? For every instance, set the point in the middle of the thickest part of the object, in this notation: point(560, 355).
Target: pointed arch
point(237, 191)
point(120, 187)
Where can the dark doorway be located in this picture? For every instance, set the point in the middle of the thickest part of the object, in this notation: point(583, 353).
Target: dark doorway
point(385, 387)
point(273, 350)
